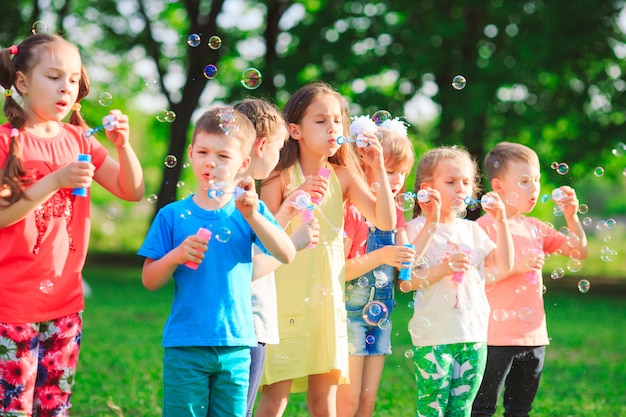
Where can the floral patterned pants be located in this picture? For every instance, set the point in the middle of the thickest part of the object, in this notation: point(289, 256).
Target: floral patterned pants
point(38, 365)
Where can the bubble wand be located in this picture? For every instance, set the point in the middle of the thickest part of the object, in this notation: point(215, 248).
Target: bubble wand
point(108, 123)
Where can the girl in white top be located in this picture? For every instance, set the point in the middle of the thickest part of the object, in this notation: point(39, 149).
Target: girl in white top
point(449, 324)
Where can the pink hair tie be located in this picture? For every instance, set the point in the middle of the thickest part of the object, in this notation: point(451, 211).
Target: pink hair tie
point(13, 49)
point(14, 132)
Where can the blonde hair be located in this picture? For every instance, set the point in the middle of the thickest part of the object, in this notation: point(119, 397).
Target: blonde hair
point(397, 149)
point(22, 59)
point(266, 118)
point(430, 160)
point(497, 159)
point(226, 121)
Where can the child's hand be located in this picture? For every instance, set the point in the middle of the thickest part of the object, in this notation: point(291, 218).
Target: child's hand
point(569, 204)
point(307, 234)
point(192, 249)
point(459, 262)
point(372, 154)
point(288, 209)
point(77, 174)
point(495, 208)
point(395, 255)
point(248, 202)
point(432, 208)
point(316, 186)
point(120, 133)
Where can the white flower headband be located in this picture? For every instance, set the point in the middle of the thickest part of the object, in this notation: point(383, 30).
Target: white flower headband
point(396, 125)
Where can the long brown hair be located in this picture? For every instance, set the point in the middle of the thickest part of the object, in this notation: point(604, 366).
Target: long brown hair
point(22, 58)
point(294, 111)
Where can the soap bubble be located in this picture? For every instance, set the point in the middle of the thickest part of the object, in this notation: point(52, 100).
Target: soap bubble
point(610, 223)
point(215, 42)
point(524, 181)
point(105, 99)
point(210, 72)
point(251, 78)
point(459, 82)
point(557, 273)
point(112, 213)
point(193, 40)
point(370, 339)
point(375, 187)
point(619, 149)
point(409, 353)
point(562, 168)
point(583, 286)
point(152, 198)
point(223, 234)
point(363, 282)
point(170, 161)
point(583, 209)
point(419, 326)
point(574, 265)
point(39, 27)
point(512, 199)
point(381, 116)
point(405, 201)
point(46, 286)
point(375, 311)
point(525, 313)
point(166, 116)
point(598, 172)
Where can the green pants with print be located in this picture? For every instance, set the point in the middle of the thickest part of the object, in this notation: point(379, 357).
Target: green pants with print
point(448, 378)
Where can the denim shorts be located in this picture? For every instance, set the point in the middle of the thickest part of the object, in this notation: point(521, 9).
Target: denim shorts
point(367, 337)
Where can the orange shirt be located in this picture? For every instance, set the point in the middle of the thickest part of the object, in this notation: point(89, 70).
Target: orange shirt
point(517, 314)
point(42, 255)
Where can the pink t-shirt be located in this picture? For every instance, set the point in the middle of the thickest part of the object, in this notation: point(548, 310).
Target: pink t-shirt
point(355, 226)
point(517, 314)
point(42, 255)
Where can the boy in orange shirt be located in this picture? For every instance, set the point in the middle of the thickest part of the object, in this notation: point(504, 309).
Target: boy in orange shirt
point(517, 333)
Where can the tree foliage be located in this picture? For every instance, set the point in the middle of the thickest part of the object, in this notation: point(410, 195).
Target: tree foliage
point(537, 73)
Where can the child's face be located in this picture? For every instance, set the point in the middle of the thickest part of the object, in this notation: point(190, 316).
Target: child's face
point(519, 187)
point(396, 175)
point(216, 158)
point(320, 126)
point(51, 86)
point(454, 179)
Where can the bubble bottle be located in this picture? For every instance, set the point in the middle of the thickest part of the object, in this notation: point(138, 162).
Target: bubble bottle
point(405, 272)
point(423, 196)
point(308, 214)
point(205, 234)
point(81, 192)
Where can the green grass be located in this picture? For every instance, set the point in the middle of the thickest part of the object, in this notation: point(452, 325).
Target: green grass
point(120, 362)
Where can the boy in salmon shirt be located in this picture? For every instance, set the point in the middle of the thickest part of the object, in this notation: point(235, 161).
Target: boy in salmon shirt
point(517, 333)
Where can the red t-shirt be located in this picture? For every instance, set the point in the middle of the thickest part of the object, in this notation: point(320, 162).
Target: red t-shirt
point(356, 227)
point(42, 255)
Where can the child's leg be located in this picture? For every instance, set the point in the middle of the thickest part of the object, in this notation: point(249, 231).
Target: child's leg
point(433, 372)
point(186, 380)
point(228, 386)
point(348, 394)
point(322, 394)
point(257, 359)
point(523, 381)
point(468, 368)
point(499, 361)
point(372, 372)
point(274, 398)
point(45, 352)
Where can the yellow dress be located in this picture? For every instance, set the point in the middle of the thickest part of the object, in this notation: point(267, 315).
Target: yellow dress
point(311, 309)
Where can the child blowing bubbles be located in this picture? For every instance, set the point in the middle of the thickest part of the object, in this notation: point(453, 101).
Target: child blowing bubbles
point(517, 344)
point(449, 324)
point(209, 332)
point(313, 349)
point(44, 229)
point(372, 255)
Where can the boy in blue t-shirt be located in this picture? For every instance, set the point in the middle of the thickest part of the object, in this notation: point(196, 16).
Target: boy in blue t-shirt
point(209, 332)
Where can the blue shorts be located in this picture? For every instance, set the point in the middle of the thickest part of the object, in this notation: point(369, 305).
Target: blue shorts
point(369, 334)
point(207, 381)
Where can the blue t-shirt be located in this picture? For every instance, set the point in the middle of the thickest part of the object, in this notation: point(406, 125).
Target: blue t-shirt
point(212, 304)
